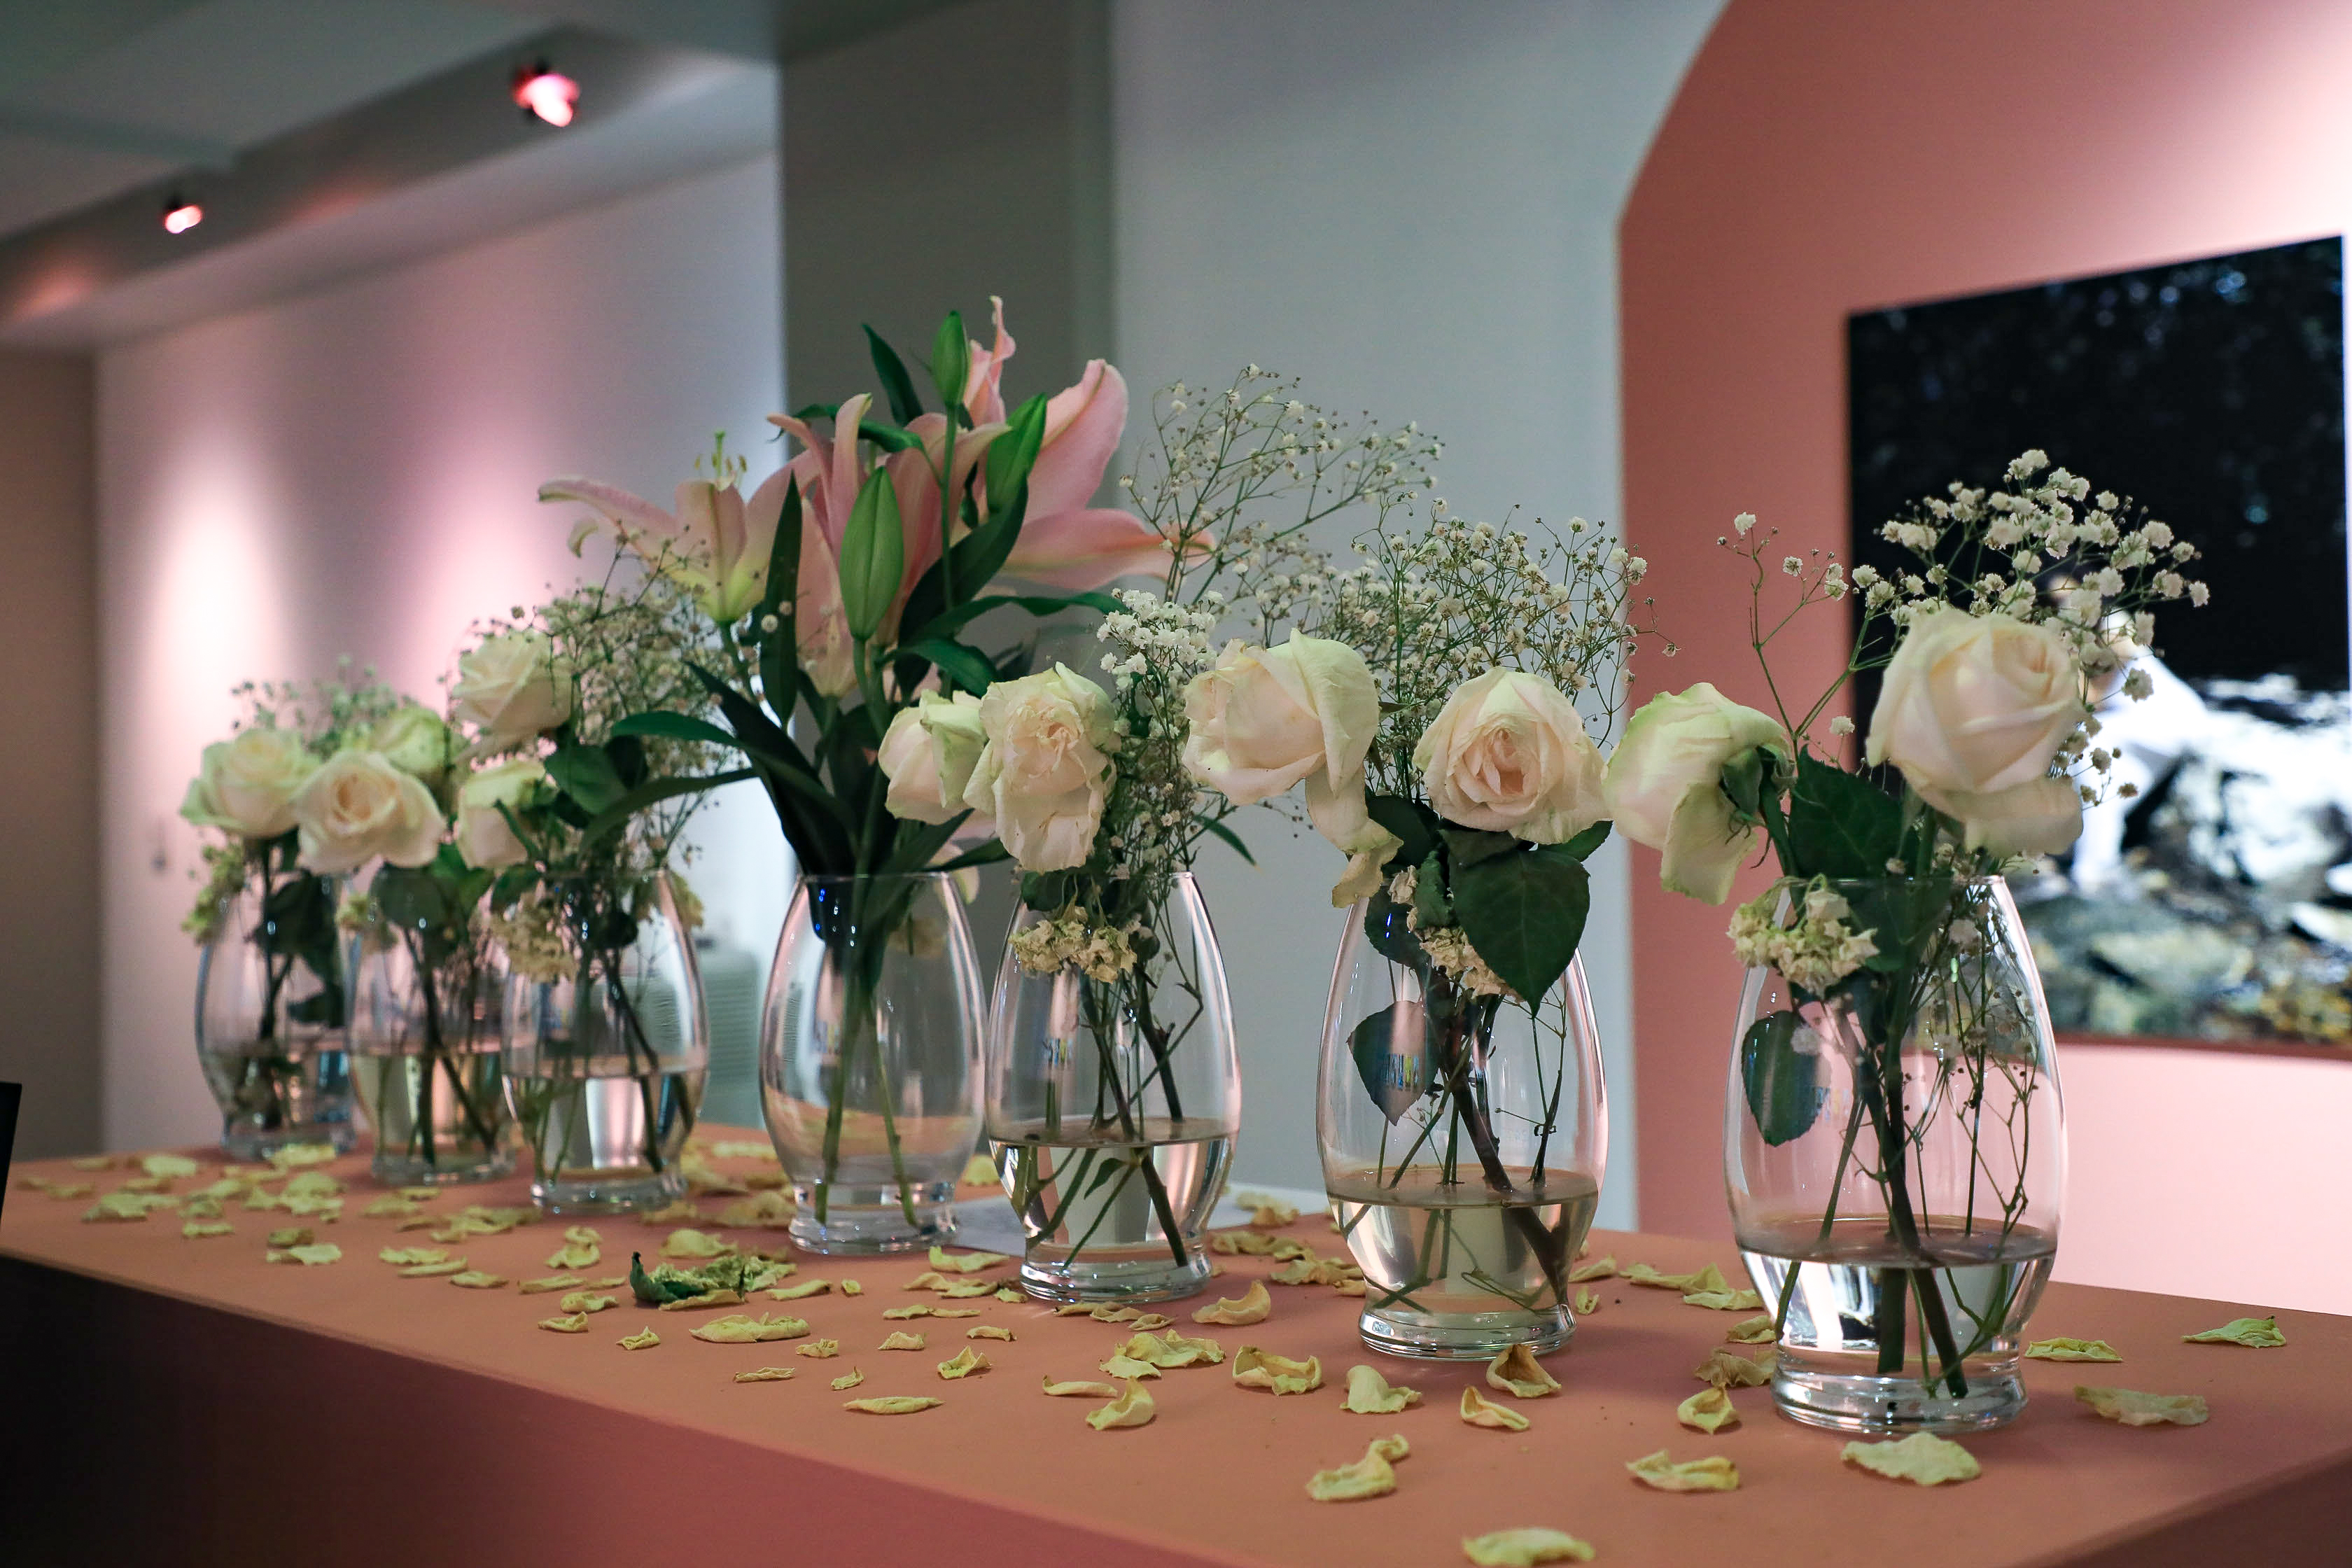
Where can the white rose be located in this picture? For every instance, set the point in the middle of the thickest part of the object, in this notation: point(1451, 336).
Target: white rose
point(1666, 785)
point(484, 836)
point(1973, 709)
point(1045, 769)
point(412, 738)
point(513, 688)
point(929, 755)
point(247, 783)
point(1266, 718)
point(1507, 753)
point(357, 807)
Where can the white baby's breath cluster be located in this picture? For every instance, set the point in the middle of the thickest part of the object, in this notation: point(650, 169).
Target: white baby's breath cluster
point(1235, 480)
point(1434, 606)
point(531, 934)
point(2043, 549)
point(1101, 954)
point(1448, 947)
point(1151, 821)
point(1815, 950)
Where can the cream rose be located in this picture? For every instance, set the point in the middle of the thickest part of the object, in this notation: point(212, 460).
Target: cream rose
point(246, 785)
point(1045, 770)
point(1507, 753)
point(929, 755)
point(511, 688)
point(357, 807)
point(412, 738)
point(1973, 710)
point(484, 837)
point(1664, 785)
point(1266, 718)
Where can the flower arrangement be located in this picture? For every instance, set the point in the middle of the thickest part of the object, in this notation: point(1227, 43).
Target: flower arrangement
point(313, 784)
point(838, 595)
point(1099, 791)
point(1431, 703)
point(567, 832)
point(1887, 926)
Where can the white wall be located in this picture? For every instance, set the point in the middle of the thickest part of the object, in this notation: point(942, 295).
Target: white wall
point(354, 471)
point(1414, 208)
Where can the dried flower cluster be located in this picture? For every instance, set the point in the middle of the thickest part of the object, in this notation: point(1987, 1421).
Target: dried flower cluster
point(1816, 949)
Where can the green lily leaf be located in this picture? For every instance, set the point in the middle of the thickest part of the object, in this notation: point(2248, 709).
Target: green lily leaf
point(1784, 1092)
point(873, 553)
point(1391, 1049)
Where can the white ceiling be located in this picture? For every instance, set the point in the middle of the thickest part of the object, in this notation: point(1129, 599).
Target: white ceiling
point(98, 97)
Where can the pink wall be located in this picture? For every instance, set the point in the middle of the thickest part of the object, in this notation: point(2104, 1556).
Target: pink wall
point(1830, 155)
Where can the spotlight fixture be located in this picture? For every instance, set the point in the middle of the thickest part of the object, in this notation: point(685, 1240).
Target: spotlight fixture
point(180, 214)
point(545, 93)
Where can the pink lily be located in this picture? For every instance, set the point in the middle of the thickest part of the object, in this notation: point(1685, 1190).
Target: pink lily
point(830, 475)
point(1064, 542)
point(715, 545)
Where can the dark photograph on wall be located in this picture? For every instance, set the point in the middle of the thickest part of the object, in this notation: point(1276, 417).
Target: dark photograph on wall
point(2215, 902)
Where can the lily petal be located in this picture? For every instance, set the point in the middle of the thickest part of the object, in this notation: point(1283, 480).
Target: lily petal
point(620, 505)
point(1083, 425)
point(1086, 548)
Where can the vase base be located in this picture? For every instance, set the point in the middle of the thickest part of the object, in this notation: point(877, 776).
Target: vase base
point(411, 1171)
point(1469, 1336)
point(1864, 1404)
point(865, 1224)
point(1134, 1280)
point(255, 1143)
point(619, 1192)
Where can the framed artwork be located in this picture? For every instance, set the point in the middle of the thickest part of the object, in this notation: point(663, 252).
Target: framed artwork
point(2214, 903)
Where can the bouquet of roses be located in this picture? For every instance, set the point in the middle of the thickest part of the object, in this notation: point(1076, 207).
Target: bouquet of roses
point(1908, 1023)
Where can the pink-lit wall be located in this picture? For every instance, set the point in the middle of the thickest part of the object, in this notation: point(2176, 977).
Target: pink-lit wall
point(355, 471)
point(1826, 156)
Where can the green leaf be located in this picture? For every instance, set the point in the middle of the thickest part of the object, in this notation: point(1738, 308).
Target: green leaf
point(1432, 905)
point(780, 663)
point(989, 853)
point(1391, 1049)
point(951, 362)
point(628, 756)
point(1467, 847)
point(1412, 822)
point(676, 726)
point(968, 667)
point(1013, 454)
point(897, 384)
point(886, 436)
point(1784, 1094)
point(653, 792)
point(511, 885)
point(873, 553)
point(946, 623)
point(1840, 824)
point(1585, 843)
point(411, 899)
point(1525, 914)
point(1233, 840)
point(1392, 938)
point(587, 775)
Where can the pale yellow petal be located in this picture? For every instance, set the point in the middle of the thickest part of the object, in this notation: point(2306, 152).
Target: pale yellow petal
point(1712, 1474)
point(1923, 1457)
point(2134, 1408)
point(1524, 1548)
point(1251, 1307)
point(1370, 1394)
point(1517, 1373)
point(1480, 1411)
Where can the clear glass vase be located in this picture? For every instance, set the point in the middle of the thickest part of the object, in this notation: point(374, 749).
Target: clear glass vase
point(869, 1058)
point(1112, 1104)
point(272, 1005)
point(1464, 1138)
point(606, 1065)
point(1894, 1149)
point(429, 1054)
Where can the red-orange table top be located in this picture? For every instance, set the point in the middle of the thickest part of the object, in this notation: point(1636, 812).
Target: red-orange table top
point(588, 1447)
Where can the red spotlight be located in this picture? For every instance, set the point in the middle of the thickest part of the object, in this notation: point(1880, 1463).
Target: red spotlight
point(180, 214)
point(546, 92)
